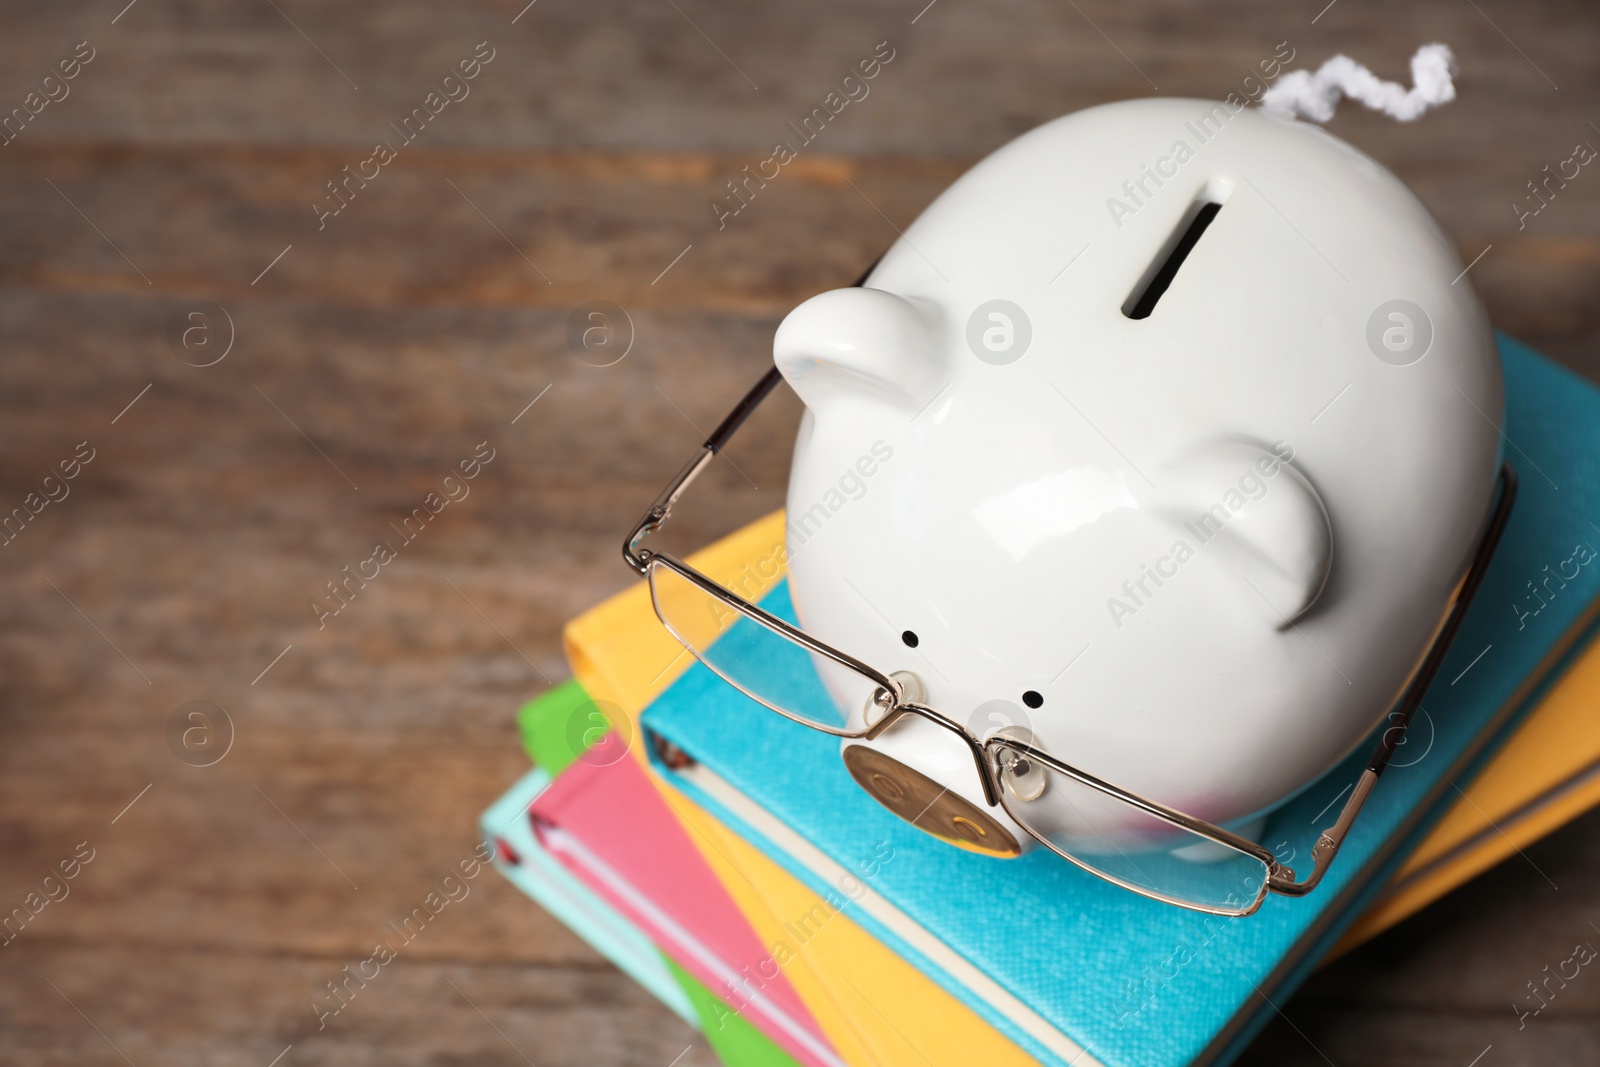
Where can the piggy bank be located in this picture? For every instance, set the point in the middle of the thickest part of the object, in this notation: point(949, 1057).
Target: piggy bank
point(1162, 438)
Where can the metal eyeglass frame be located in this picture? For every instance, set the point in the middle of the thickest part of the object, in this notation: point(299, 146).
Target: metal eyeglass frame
point(999, 754)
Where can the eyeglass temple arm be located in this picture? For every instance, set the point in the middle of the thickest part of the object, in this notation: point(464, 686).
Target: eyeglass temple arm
point(1327, 847)
point(659, 512)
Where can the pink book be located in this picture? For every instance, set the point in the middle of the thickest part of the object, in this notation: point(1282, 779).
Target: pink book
point(607, 825)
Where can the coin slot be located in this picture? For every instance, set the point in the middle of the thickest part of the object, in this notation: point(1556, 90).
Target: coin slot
point(1159, 275)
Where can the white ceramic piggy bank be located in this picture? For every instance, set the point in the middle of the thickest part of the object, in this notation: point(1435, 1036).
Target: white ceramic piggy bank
point(1168, 431)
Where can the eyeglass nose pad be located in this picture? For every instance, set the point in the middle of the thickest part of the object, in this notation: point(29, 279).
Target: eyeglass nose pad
point(878, 704)
point(1022, 777)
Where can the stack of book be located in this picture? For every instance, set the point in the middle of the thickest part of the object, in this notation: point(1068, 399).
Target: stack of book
point(723, 857)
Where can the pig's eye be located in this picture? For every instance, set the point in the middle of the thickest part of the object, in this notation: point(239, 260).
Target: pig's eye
point(909, 638)
point(1032, 699)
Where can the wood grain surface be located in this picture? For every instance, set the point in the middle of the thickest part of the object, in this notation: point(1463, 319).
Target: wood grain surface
point(370, 355)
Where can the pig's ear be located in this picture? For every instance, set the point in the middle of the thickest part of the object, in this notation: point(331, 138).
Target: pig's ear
point(1261, 517)
point(856, 342)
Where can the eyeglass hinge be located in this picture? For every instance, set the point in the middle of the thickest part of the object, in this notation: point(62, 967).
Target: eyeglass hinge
point(636, 558)
point(1281, 879)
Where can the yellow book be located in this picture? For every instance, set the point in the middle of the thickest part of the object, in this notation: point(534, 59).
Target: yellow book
point(1546, 774)
point(874, 1007)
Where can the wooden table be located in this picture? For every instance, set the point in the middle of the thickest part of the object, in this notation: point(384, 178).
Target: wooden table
point(370, 355)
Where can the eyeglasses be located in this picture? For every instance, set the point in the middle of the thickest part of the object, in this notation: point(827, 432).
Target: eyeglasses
point(1118, 835)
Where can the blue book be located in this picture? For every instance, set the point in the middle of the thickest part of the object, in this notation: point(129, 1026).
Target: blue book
point(1078, 971)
